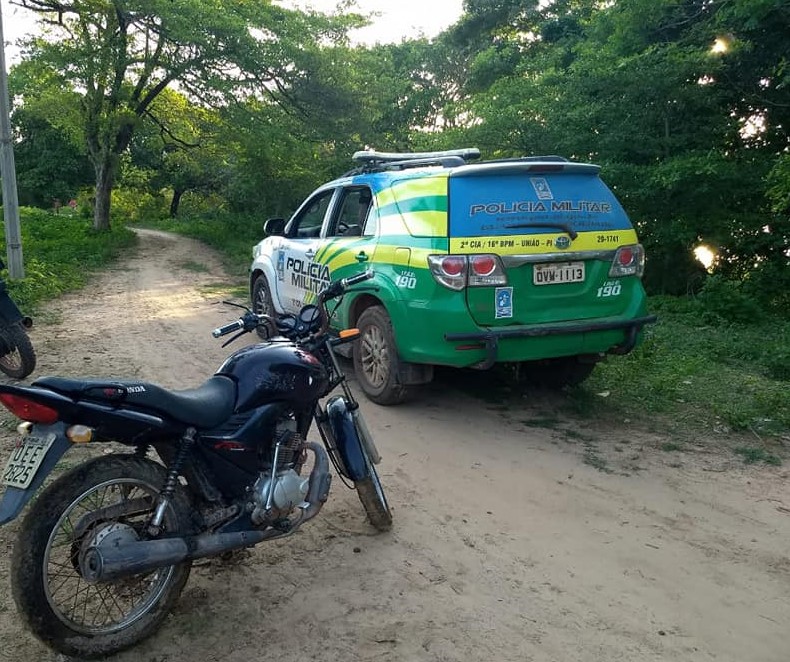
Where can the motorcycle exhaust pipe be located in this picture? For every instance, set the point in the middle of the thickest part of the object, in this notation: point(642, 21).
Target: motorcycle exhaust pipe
point(108, 563)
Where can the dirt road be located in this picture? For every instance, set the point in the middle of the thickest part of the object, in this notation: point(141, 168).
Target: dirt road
point(520, 532)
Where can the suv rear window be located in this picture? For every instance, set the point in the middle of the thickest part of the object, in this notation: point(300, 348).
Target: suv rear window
point(498, 204)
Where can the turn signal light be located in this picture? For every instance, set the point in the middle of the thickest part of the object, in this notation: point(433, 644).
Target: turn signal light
point(79, 434)
point(349, 334)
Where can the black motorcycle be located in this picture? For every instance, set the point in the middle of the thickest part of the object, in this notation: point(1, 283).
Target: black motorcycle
point(106, 548)
point(17, 357)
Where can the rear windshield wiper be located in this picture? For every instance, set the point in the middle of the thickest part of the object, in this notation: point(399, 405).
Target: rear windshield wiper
point(561, 226)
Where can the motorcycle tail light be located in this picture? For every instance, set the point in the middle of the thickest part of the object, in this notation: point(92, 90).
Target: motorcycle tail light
point(28, 410)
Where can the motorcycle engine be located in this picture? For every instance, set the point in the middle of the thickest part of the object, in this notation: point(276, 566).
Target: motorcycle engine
point(279, 490)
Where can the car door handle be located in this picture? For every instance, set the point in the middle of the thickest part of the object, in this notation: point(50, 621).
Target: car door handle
point(310, 254)
point(362, 256)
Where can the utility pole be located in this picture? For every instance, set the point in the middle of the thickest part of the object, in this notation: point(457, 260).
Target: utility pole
point(13, 236)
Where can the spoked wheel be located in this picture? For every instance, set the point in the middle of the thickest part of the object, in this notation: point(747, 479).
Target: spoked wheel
point(17, 357)
point(376, 361)
point(104, 502)
point(262, 303)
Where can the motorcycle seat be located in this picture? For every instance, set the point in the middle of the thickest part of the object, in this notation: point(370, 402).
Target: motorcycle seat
point(203, 407)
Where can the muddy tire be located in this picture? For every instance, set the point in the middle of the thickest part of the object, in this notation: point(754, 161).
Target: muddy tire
point(376, 362)
point(69, 614)
point(555, 373)
point(371, 494)
point(262, 302)
point(18, 357)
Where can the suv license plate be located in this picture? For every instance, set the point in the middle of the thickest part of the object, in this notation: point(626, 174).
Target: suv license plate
point(25, 460)
point(558, 272)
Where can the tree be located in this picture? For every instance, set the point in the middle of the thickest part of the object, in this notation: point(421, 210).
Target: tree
point(122, 54)
point(51, 159)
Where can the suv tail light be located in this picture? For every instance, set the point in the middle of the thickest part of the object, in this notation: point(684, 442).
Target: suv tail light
point(628, 261)
point(458, 271)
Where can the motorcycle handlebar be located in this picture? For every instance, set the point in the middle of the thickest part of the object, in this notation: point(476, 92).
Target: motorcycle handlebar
point(335, 289)
point(338, 287)
point(228, 328)
point(250, 320)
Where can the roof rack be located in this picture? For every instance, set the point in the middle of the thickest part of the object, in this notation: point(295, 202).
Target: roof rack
point(373, 161)
point(372, 156)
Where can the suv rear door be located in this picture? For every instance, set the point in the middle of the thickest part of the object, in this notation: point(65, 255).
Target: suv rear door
point(556, 227)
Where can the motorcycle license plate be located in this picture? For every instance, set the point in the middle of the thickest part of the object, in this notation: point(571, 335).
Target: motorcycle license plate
point(554, 274)
point(26, 459)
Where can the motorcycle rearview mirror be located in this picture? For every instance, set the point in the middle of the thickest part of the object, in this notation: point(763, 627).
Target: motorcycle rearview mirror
point(237, 305)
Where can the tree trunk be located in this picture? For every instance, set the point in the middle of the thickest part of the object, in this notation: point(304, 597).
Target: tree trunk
point(177, 193)
point(105, 176)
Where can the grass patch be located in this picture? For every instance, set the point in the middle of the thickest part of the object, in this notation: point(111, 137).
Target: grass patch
point(541, 422)
point(60, 254)
point(698, 375)
point(196, 267)
point(753, 455)
point(671, 446)
point(594, 460)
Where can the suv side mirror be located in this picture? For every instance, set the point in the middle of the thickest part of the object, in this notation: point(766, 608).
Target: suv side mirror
point(274, 226)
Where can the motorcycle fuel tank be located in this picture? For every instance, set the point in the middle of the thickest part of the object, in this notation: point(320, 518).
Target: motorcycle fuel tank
point(275, 371)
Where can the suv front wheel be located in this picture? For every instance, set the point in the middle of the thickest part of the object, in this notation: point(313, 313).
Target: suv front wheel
point(262, 302)
point(376, 361)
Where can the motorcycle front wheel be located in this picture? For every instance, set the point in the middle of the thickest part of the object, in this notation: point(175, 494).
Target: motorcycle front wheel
point(17, 357)
point(107, 499)
point(369, 489)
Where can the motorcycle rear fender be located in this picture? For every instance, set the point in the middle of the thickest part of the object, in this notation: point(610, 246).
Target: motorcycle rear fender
point(15, 499)
point(347, 438)
point(113, 423)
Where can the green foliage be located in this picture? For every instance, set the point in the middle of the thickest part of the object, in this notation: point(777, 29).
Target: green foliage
point(60, 252)
point(729, 301)
point(123, 55)
point(752, 455)
point(706, 375)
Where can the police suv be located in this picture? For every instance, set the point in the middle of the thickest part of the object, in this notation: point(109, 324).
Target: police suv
point(528, 261)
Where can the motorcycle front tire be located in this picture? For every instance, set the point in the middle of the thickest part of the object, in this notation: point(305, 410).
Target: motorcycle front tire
point(369, 489)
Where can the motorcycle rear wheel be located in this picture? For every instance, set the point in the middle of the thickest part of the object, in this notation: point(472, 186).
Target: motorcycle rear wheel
point(80, 509)
point(19, 358)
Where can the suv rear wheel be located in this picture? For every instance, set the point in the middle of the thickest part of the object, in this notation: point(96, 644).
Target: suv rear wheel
point(555, 373)
point(376, 361)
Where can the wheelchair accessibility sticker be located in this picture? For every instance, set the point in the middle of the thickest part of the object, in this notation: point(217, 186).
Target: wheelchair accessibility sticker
point(503, 302)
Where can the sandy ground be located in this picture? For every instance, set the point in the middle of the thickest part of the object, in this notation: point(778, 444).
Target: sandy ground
point(521, 533)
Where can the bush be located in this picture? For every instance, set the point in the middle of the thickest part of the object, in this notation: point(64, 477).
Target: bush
point(730, 301)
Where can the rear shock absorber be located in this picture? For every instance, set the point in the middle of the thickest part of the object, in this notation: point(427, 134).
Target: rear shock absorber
point(169, 488)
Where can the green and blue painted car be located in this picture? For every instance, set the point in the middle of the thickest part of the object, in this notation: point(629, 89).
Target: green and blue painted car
point(529, 261)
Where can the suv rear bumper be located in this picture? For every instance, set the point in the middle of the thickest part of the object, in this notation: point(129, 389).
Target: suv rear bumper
point(491, 337)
